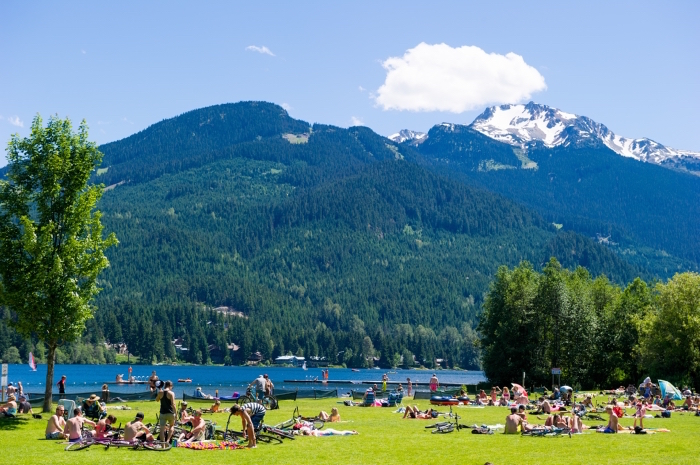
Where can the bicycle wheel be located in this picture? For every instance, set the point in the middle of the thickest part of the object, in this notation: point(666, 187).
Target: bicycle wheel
point(270, 402)
point(441, 424)
point(268, 438)
point(80, 445)
point(281, 433)
point(158, 446)
point(443, 429)
point(245, 399)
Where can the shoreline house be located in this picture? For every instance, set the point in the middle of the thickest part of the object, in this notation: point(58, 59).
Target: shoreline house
point(292, 360)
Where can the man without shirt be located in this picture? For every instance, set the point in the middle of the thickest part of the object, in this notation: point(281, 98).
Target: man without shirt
point(137, 431)
point(613, 423)
point(74, 426)
point(513, 421)
point(198, 428)
point(56, 424)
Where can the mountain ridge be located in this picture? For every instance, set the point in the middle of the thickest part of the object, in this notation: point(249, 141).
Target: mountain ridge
point(529, 125)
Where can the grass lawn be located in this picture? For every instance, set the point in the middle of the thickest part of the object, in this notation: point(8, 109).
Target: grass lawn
point(384, 439)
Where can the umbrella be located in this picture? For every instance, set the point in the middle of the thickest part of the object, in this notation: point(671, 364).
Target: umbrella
point(520, 388)
point(565, 389)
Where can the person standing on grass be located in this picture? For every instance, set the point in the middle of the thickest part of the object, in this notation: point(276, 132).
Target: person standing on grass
point(62, 386)
point(385, 378)
point(410, 387)
point(166, 397)
point(639, 414)
point(434, 383)
point(252, 415)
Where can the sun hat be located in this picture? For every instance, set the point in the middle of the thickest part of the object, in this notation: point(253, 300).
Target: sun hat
point(93, 397)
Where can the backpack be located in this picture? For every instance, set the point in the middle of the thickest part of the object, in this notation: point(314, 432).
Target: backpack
point(666, 414)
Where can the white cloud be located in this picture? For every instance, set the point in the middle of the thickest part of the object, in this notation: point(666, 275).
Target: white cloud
point(287, 107)
point(130, 122)
point(263, 49)
point(361, 89)
point(83, 52)
point(15, 121)
point(355, 121)
point(441, 78)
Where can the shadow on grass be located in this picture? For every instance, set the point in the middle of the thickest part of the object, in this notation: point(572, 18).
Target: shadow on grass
point(8, 424)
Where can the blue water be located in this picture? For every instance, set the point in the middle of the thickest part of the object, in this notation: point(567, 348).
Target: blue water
point(82, 378)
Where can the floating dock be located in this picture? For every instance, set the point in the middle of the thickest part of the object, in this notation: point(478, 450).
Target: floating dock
point(378, 383)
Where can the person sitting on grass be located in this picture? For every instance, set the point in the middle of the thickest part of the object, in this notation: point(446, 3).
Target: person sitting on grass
point(184, 418)
point(103, 426)
point(137, 431)
point(198, 429)
point(215, 408)
point(613, 423)
point(513, 421)
point(688, 403)
point(92, 408)
point(482, 399)
point(521, 412)
point(23, 406)
point(56, 424)
point(333, 417)
point(588, 401)
point(74, 426)
point(668, 403)
point(9, 409)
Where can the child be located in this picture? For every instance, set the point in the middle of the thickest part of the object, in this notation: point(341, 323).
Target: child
point(641, 411)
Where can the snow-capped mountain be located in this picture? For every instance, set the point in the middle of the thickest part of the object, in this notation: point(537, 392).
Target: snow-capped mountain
point(523, 125)
point(407, 135)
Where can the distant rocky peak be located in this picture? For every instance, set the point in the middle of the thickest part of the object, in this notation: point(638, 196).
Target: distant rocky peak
point(407, 135)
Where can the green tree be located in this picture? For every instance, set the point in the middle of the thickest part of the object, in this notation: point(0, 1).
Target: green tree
point(672, 340)
point(51, 244)
point(11, 355)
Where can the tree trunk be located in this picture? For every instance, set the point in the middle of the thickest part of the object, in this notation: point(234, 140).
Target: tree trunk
point(49, 378)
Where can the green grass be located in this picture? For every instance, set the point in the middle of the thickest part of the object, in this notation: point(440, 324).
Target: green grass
point(384, 439)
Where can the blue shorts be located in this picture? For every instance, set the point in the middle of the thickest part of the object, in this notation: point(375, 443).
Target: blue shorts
point(54, 435)
point(257, 420)
point(607, 430)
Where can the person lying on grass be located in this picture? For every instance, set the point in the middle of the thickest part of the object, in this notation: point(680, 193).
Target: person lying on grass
point(215, 408)
point(414, 412)
point(308, 431)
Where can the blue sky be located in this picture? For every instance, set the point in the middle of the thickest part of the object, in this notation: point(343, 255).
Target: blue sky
point(123, 66)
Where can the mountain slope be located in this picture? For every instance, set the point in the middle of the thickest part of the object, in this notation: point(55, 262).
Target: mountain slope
point(587, 188)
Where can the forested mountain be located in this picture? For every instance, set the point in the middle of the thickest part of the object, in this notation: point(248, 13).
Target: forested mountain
point(647, 214)
point(240, 225)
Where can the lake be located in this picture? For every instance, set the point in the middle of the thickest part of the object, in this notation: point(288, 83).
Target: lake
point(82, 378)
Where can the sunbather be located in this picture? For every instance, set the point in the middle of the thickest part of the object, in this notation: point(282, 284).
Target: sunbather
point(9, 409)
point(414, 412)
point(333, 417)
point(513, 421)
point(613, 423)
point(56, 424)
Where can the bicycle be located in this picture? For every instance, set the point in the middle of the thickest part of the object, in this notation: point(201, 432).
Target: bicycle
point(547, 432)
point(268, 401)
point(446, 426)
point(317, 422)
point(233, 435)
point(86, 442)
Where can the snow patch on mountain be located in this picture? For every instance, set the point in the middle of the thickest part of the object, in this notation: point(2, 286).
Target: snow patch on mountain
point(523, 125)
point(408, 135)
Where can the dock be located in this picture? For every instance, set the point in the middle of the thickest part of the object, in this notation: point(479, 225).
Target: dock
point(359, 382)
